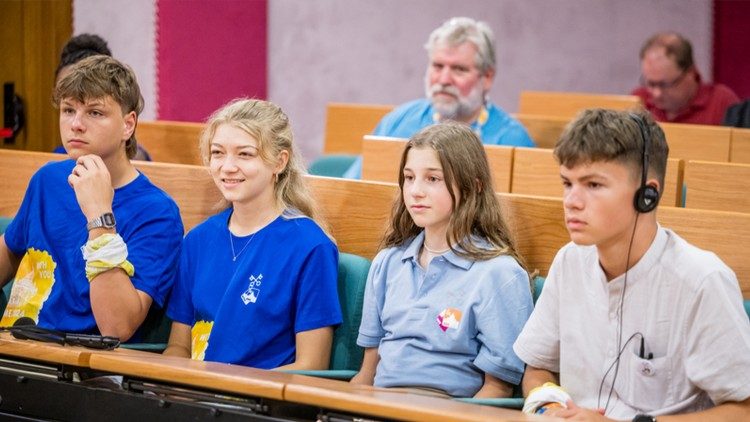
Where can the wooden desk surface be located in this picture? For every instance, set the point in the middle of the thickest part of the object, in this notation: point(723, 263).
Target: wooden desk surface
point(55, 353)
point(211, 375)
point(393, 404)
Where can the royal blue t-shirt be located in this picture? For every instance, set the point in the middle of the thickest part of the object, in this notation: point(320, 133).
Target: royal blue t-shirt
point(49, 231)
point(248, 311)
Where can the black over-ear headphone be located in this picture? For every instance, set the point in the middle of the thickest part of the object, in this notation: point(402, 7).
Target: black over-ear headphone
point(647, 196)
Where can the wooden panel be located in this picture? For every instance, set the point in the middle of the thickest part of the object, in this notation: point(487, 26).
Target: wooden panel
point(392, 404)
point(218, 376)
point(16, 169)
point(171, 142)
point(569, 104)
point(33, 35)
point(697, 142)
point(381, 157)
point(717, 186)
point(544, 130)
point(740, 146)
point(724, 233)
point(346, 124)
point(191, 187)
point(536, 172)
point(43, 352)
point(356, 211)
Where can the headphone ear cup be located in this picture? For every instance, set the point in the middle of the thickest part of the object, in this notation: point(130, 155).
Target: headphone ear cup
point(646, 199)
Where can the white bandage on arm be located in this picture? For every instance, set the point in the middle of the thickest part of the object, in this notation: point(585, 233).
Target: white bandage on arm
point(104, 253)
point(545, 394)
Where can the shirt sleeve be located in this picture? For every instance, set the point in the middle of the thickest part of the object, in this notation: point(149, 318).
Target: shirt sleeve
point(500, 321)
point(538, 345)
point(17, 233)
point(371, 328)
point(718, 339)
point(317, 299)
point(154, 250)
point(180, 306)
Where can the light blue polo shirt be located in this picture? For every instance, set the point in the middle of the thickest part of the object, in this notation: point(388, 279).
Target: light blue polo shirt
point(443, 328)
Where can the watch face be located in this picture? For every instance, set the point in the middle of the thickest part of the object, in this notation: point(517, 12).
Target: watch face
point(644, 418)
point(108, 220)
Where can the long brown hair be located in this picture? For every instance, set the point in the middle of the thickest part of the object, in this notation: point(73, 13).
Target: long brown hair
point(477, 212)
point(269, 125)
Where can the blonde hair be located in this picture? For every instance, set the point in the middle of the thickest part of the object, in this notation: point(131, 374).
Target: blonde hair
point(268, 124)
point(477, 214)
point(97, 77)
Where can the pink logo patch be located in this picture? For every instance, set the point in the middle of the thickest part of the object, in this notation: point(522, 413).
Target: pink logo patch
point(449, 318)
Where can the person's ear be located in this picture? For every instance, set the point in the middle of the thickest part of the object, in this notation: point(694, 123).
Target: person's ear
point(281, 161)
point(131, 119)
point(489, 77)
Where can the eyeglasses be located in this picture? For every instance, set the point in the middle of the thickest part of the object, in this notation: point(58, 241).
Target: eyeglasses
point(663, 85)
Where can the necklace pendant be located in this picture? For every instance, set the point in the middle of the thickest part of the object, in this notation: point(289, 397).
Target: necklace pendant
point(234, 258)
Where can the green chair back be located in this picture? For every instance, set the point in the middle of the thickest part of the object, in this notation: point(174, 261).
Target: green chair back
point(332, 165)
point(345, 354)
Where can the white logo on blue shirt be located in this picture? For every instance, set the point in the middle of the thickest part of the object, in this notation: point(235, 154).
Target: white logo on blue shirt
point(253, 290)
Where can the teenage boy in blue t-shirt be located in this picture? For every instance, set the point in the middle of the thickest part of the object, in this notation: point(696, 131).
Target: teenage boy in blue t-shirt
point(94, 243)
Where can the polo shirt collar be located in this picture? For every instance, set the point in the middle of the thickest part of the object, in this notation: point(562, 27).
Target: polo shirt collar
point(412, 252)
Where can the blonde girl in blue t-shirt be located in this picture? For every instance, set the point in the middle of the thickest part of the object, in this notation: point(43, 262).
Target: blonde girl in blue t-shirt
point(447, 297)
point(257, 283)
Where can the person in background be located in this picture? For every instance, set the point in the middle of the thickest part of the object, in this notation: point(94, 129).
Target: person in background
point(460, 71)
point(672, 88)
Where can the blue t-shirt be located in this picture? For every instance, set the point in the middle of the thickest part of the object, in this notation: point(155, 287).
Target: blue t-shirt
point(445, 327)
point(408, 119)
point(248, 311)
point(49, 230)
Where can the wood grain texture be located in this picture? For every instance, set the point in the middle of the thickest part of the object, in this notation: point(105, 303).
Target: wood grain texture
point(346, 124)
point(171, 142)
point(697, 142)
point(16, 169)
point(381, 158)
point(209, 375)
point(569, 104)
point(740, 148)
point(717, 186)
point(544, 130)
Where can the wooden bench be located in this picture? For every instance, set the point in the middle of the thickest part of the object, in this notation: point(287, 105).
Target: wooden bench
point(381, 157)
point(170, 142)
point(346, 124)
point(357, 212)
point(717, 186)
point(740, 146)
point(544, 130)
point(569, 104)
point(697, 142)
point(536, 172)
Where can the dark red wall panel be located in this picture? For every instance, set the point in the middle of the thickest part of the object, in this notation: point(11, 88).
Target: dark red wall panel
point(732, 45)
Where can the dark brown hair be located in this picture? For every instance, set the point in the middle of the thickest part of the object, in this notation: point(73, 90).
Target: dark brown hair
point(677, 48)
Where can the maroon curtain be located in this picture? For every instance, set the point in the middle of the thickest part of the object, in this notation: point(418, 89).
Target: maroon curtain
point(209, 52)
point(732, 45)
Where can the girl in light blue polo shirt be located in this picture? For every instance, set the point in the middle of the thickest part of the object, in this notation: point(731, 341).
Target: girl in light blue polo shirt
point(448, 296)
point(257, 283)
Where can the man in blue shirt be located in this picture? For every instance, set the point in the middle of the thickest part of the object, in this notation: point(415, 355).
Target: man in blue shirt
point(459, 76)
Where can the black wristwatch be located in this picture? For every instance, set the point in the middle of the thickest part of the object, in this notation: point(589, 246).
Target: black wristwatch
point(644, 418)
point(106, 220)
